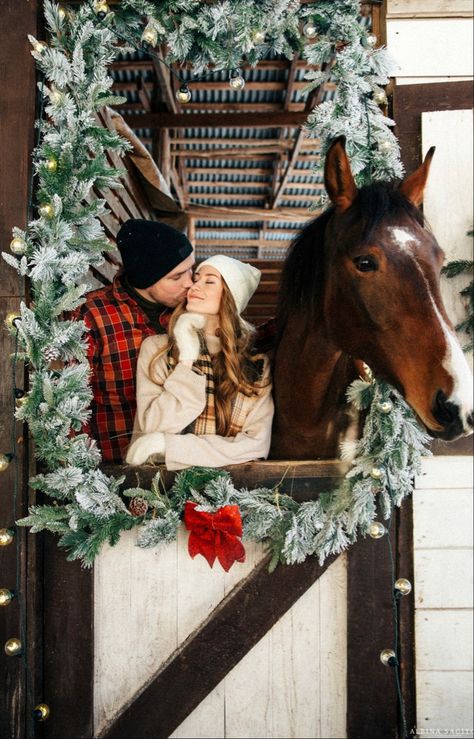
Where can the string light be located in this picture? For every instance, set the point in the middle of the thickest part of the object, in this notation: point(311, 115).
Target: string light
point(402, 587)
point(385, 406)
point(6, 536)
point(41, 712)
point(101, 9)
point(51, 164)
point(236, 80)
point(376, 473)
point(12, 319)
point(310, 30)
point(46, 210)
point(39, 46)
point(6, 597)
point(371, 40)
point(183, 94)
point(385, 146)
point(380, 97)
point(258, 37)
point(150, 35)
point(376, 530)
point(12, 647)
point(18, 245)
point(388, 657)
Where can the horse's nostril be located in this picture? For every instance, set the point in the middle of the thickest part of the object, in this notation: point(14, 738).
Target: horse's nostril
point(444, 411)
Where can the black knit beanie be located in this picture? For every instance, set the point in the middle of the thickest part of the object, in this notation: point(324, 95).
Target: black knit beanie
point(150, 250)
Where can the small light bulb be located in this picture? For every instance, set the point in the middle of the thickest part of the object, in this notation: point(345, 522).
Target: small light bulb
point(183, 95)
point(6, 597)
point(12, 319)
point(403, 586)
point(6, 535)
point(376, 530)
point(55, 95)
point(150, 35)
point(101, 9)
point(258, 37)
point(39, 46)
point(385, 146)
point(310, 30)
point(380, 97)
point(62, 14)
point(388, 657)
point(12, 647)
point(51, 164)
point(18, 245)
point(371, 40)
point(41, 712)
point(46, 210)
point(236, 80)
point(376, 473)
point(385, 406)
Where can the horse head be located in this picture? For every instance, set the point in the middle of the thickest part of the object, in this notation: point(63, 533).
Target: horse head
point(361, 283)
point(382, 300)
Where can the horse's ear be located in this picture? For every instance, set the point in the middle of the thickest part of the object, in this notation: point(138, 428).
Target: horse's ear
point(338, 178)
point(413, 186)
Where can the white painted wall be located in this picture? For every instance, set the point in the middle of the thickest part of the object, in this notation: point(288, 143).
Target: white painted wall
point(431, 40)
point(449, 194)
point(443, 558)
point(292, 683)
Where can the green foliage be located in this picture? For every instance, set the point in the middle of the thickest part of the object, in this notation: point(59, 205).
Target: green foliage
point(454, 269)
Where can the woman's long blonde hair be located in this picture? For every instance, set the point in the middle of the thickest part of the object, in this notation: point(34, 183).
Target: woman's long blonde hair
point(234, 367)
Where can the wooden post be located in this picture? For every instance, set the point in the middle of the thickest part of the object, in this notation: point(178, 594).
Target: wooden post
point(17, 674)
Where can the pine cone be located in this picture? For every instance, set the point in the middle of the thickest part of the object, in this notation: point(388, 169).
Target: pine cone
point(50, 353)
point(138, 506)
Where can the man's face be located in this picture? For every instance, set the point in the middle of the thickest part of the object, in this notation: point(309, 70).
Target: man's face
point(173, 287)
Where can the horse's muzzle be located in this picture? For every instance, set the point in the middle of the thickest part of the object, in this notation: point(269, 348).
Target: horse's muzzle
point(449, 416)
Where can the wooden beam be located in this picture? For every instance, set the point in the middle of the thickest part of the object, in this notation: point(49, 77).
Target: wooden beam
point(207, 213)
point(177, 187)
point(216, 120)
point(239, 152)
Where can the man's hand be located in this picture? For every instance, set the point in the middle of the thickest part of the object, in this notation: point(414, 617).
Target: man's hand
point(146, 446)
point(187, 336)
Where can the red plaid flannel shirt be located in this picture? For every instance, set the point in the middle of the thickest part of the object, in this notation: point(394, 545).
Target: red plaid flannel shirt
point(117, 326)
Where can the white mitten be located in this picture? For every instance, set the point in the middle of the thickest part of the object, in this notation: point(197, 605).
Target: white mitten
point(146, 446)
point(187, 337)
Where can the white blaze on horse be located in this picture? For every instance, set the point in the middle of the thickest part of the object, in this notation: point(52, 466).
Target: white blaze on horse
point(361, 284)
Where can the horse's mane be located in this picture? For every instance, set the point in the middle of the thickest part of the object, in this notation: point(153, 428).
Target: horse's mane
point(302, 276)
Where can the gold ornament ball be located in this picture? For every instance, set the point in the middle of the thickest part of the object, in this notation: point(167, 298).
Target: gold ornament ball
point(371, 40)
point(403, 586)
point(6, 536)
point(183, 95)
point(388, 657)
point(236, 81)
point(41, 712)
point(150, 36)
point(376, 473)
point(101, 9)
point(11, 319)
point(6, 597)
point(12, 647)
point(17, 245)
point(258, 37)
point(46, 210)
point(386, 406)
point(51, 164)
point(376, 530)
point(310, 30)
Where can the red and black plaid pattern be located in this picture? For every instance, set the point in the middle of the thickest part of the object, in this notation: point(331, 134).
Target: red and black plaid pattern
point(117, 326)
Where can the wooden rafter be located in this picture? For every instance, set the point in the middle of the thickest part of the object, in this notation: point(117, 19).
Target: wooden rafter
point(216, 120)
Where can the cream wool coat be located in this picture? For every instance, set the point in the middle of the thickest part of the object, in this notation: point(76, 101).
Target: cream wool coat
point(177, 397)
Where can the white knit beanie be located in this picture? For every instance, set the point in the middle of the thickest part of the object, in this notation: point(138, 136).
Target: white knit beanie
point(241, 279)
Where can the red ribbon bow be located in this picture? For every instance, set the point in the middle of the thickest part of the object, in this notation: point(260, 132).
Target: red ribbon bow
point(215, 534)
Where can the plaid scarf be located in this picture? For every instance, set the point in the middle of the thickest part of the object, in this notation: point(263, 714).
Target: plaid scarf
point(205, 423)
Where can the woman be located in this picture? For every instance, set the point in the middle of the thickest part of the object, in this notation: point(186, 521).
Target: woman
point(203, 396)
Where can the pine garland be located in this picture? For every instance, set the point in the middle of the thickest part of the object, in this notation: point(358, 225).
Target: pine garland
point(57, 248)
point(453, 269)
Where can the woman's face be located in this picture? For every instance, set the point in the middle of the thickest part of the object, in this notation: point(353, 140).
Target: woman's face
point(204, 296)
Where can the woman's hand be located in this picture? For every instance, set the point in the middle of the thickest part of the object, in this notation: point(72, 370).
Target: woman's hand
point(146, 446)
point(187, 337)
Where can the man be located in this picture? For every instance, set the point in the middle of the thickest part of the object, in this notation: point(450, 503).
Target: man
point(157, 273)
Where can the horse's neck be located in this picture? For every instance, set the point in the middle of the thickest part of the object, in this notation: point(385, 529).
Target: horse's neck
point(311, 377)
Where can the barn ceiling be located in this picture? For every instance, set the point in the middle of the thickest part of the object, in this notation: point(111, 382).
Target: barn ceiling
point(238, 161)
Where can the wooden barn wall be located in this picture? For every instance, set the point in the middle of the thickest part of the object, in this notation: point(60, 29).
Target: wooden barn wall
point(443, 557)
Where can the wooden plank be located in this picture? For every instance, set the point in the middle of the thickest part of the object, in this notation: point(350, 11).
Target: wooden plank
point(299, 215)
point(404, 563)
point(215, 120)
point(445, 472)
point(16, 144)
point(443, 578)
point(429, 9)
point(371, 691)
point(444, 639)
point(443, 516)
point(445, 703)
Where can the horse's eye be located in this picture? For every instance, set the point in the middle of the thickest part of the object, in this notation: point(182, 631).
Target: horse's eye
point(366, 263)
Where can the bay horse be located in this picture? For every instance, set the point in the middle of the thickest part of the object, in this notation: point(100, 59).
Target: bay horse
point(360, 284)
